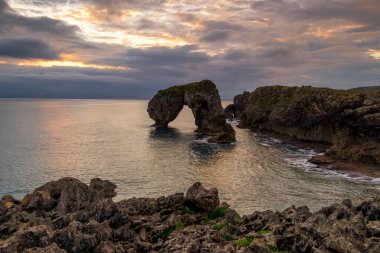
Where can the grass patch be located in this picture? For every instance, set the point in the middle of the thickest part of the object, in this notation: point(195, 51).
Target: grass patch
point(264, 231)
point(274, 249)
point(219, 226)
point(178, 227)
point(244, 242)
point(8, 225)
point(227, 237)
point(187, 210)
point(218, 212)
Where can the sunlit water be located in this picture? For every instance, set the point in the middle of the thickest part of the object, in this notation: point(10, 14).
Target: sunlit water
point(44, 140)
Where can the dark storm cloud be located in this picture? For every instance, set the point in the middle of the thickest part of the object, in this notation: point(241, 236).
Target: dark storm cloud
point(363, 11)
point(11, 20)
point(215, 35)
point(4, 6)
point(26, 49)
point(165, 56)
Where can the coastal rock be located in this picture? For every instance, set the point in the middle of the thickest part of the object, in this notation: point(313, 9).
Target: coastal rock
point(177, 223)
point(204, 101)
point(53, 248)
point(68, 195)
point(206, 200)
point(345, 120)
point(236, 109)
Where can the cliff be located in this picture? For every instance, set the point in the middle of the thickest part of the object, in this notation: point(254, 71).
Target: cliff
point(69, 216)
point(346, 120)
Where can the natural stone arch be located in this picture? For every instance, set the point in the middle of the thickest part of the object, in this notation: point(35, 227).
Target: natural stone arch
point(204, 101)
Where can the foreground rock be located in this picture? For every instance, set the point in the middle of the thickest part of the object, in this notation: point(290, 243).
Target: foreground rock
point(69, 216)
point(348, 121)
point(204, 101)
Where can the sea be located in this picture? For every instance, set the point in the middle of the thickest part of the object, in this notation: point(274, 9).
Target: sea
point(45, 140)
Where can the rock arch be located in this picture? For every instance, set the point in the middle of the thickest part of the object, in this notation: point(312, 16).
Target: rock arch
point(204, 101)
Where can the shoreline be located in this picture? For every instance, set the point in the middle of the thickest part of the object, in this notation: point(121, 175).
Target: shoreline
point(69, 216)
point(322, 160)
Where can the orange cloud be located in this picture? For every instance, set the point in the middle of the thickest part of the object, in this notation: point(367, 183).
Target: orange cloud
point(328, 32)
point(374, 53)
point(68, 60)
point(3, 62)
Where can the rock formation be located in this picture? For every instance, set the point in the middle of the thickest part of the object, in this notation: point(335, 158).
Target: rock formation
point(69, 216)
point(204, 101)
point(346, 120)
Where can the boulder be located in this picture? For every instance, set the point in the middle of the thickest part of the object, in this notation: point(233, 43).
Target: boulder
point(198, 196)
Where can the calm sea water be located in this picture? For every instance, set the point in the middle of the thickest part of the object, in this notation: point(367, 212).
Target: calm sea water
point(44, 140)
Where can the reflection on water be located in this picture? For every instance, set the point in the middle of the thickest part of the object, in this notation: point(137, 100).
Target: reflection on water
point(165, 133)
point(43, 140)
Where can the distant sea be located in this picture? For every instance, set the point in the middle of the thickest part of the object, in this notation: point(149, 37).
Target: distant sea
point(44, 140)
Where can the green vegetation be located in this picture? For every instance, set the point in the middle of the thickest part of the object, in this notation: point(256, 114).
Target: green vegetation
point(274, 249)
point(180, 89)
point(219, 226)
point(218, 212)
point(244, 242)
point(187, 210)
point(227, 237)
point(264, 231)
point(178, 227)
point(8, 225)
point(266, 98)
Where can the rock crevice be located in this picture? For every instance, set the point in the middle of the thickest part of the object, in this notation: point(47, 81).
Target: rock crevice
point(204, 101)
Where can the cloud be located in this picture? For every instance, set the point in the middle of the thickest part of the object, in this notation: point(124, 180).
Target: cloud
point(12, 22)
point(240, 45)
point(26, 49)
point(215, 35)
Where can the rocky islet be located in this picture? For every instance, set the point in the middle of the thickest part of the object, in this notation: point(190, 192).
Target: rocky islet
point(204, 101)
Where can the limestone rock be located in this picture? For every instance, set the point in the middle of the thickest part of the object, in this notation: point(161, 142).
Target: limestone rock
point(203, 199)
point(347, 120)
point(204, 101)
point(179, 223)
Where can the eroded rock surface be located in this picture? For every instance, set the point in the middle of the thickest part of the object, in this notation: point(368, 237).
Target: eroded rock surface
point(204, 101)
point(176, 223)
point(347, 120)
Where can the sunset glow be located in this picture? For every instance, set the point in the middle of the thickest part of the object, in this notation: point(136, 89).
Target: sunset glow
point(78, 64)
point(374, 53)
point(240, 45)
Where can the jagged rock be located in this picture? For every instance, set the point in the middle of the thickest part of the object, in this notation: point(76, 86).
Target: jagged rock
point(204, 101)
point(198, 196)
point(109, 247)
point(179, 223)
point(53, 248)
point(236, 109)
point(69, 194)
point(101, 189)
point(38, 200)
point(347, 120)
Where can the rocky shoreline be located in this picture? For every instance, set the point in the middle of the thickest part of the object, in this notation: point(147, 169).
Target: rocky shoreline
point(343, 124)
point(70, 216)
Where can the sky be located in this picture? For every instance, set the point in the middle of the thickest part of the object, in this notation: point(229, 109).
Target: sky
point(132, 48)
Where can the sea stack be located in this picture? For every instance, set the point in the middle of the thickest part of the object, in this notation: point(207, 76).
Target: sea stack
point(204, 101)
